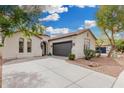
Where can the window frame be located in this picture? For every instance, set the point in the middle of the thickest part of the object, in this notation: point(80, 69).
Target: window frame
point(86, 43)
point(21, 45)
point(29, 46)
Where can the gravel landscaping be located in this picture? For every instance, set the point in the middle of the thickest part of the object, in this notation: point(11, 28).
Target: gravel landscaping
point(120, 60)
point(103, 64)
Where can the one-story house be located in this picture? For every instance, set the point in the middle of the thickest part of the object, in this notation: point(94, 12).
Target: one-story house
point(19, 46)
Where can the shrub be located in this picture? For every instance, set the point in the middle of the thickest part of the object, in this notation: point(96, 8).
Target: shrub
point(120, 46)
point(1, 45)
point(71, 56)
point(49, 54)
point(98, 53)
point(89, 54)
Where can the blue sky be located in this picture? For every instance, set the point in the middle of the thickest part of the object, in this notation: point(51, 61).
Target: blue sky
point(71, 18)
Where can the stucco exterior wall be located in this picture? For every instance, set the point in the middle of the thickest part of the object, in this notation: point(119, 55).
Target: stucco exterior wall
point(92, 41)
point(78, 49)
point(79, 46)
point(11, 47)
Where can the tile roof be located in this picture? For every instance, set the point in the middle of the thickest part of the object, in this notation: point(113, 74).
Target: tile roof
point(71, 34)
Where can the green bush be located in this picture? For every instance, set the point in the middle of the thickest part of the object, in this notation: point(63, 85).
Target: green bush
point(89, 54)
point(71, 56)
point(49, 54)
point(120, 45)
point(1, 45)
point(98, 53)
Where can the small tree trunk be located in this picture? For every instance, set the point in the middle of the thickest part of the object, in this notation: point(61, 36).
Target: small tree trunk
point(111, 50)
point(3, 40)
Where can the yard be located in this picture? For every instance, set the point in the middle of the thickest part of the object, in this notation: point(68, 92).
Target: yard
point(103, 65)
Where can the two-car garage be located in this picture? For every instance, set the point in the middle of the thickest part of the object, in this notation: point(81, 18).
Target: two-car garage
point(62, 48)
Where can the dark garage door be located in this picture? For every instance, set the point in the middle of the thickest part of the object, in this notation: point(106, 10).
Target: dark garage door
point(62, 48)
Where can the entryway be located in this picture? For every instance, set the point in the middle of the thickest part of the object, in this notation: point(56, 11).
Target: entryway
point(44, 48)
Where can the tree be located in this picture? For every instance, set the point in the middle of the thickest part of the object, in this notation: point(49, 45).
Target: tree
point(20, 18)
point(99, 42)
point(120, 45)
point(110, 20)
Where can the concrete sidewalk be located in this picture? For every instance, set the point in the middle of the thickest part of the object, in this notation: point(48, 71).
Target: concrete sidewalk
point(120, 81)
point(53, 72)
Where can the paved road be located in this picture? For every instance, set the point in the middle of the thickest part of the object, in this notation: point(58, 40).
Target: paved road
point(52, 73)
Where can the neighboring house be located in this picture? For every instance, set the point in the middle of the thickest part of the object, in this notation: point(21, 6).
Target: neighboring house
point(19, 46)
point(105, 47)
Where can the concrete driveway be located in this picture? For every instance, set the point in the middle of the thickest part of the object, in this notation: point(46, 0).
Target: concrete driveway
point(52, 73)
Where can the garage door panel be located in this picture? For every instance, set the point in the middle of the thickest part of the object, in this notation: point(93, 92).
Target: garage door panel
point(62, 48)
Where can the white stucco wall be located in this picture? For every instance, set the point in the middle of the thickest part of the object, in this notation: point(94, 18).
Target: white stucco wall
point(78, 40)
point(92, 41)
point(11, 47)
point(78, 49)
point(79, 46)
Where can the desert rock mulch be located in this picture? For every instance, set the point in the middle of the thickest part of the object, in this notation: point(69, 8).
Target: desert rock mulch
point(103, 65)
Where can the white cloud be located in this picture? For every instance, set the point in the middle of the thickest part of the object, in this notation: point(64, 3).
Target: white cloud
point(55, 9)
point(89, 23)
point(83, 6)
point(81, 27)
point(80, 6)
point(91, 6)
point(52, 17)
point(54, 31)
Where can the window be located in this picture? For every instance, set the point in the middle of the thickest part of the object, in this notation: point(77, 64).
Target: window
point(29, 45)
point(87, 34)
point(21, 45)
point(86, 44)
